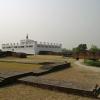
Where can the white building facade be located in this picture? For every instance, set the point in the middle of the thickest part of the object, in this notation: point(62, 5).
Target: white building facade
point(29, 46)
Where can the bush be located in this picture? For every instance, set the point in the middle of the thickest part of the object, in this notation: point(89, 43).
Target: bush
point(92, 62)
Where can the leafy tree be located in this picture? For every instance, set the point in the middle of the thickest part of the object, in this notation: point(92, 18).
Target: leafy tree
point(75, 50)
point(94, 49)
point(80, 48)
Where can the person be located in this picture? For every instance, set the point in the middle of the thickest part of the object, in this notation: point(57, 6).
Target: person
point(96, 90)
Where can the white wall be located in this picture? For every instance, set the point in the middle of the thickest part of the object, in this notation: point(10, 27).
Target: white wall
point(35, 49)
point(24, 50)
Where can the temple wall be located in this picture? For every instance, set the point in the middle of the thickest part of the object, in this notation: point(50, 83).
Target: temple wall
point(31, 47)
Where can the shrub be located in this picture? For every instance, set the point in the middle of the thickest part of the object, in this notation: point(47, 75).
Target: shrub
point(92, 62)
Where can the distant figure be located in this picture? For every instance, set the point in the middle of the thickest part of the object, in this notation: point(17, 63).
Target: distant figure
point(77, 58)
point(66, 62)
point(96, 90)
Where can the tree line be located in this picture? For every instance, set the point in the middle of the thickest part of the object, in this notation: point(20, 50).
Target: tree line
point(83, 48)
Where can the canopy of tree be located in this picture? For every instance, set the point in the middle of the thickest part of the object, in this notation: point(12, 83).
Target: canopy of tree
point(94, 49)
point(80, 48)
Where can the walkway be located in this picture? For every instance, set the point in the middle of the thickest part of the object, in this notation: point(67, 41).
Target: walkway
point(92, 68)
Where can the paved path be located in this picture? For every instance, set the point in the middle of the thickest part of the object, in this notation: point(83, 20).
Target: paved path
point(92, 68)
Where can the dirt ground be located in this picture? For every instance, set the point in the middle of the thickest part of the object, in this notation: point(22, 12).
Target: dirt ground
point(23, 92)
point(76, 74)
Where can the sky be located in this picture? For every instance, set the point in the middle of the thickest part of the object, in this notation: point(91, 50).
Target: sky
point(70, 22)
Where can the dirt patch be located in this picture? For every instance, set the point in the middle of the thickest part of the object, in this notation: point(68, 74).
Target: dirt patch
point(23, 92)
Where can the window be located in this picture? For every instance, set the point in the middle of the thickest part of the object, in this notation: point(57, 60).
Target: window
point(39, 45)
point(49, 46)
point(18, 46)
point(22, 46)
point(15, 46)
point(8, 47)
point(30, 46)
point(3, 47)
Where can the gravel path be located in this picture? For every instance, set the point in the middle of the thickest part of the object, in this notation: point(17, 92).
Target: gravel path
point(92, 68)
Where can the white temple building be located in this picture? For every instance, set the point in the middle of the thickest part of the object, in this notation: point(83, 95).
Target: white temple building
point(29, 46)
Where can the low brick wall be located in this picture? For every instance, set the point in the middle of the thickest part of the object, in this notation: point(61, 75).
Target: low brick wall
point(46, 69)
point(11, 77)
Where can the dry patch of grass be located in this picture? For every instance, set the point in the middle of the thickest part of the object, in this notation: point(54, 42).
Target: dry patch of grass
point(5, 66)
point(13, 66)
point(46, 57)
point(23, 92)
point(36, 58)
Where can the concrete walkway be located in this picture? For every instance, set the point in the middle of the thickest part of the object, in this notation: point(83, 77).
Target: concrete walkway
point(92, 68)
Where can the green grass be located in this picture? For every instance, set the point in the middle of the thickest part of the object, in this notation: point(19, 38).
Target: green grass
point(92, 62)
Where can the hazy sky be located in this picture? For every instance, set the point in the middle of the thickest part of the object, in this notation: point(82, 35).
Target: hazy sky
point(69, 22)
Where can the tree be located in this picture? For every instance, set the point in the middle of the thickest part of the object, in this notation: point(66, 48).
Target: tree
point(80, 48)
point(94, 49)
point(76, 50)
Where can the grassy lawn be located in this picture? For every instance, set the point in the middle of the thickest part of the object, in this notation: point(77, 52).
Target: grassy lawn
point(92, 62)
